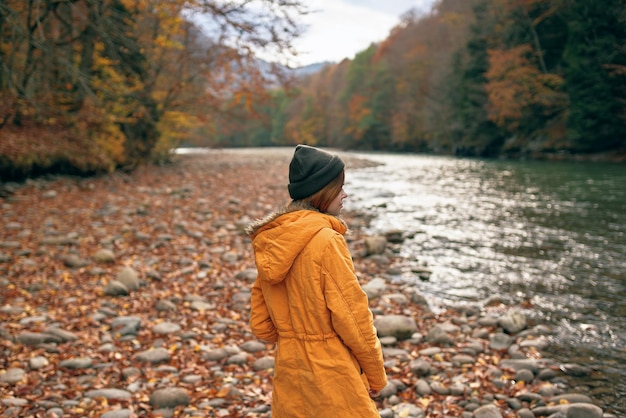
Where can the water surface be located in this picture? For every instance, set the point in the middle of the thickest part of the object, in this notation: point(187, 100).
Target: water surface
point(551, 235)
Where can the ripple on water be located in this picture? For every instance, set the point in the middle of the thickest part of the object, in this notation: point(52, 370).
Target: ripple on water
point(545, 232)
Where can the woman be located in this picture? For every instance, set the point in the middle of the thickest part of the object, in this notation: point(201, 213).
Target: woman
point(307, 299)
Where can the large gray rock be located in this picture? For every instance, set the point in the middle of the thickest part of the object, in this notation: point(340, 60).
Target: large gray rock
point(215, 354)
point(240, 358)
point(166, 328)
point(74, 261)
point(570, 398)
point(120, 413)
point(165, 305)
point(375, 245)
point(12, 375)
point(108, 393)
point(14, 402)
point(252, 346)
point(500, 341)
point(126, 325)
point(116, 288)
point(442, 334)
point(154, 355)
point(249, 275)
point(408, 410)
point(38, 362)
point(463, 359)
point(422, 387)
point(487, 411)
point(512, 321)
point(61, 333)
point(574, 410)
point(104, 255)
point(36, 338)
point(129, 277)
point(519, 364)
point(419, 367)
point(77, 363)
point(399, 326)
point(169, 398)
point(263, 363)
point(200, 305)
point(58, 240)
point(573, 369)
point(375, 288)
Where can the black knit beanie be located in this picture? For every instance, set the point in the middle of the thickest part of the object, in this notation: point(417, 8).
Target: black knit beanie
point(310, 170)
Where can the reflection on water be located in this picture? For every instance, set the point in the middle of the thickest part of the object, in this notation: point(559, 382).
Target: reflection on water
point(552, 234)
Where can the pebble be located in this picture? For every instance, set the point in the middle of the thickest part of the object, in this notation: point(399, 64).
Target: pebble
point(108, 393)
point(120, 413)
point(263, 363)
point(62, 334)
point(253, 346)
point(35, 338)
point(15, 402)
point(12, 375)
point(166, 328)
point(126, 325)
point(129, 278)
point(487, 411)
point(38, 362)
point(165, 305)
point(77, 363)
point(574, 410)
point(104, 255)
point(116, 288)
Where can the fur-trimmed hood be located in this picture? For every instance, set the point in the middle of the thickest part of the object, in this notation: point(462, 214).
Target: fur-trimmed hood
point(252, 228)
point(281, 236)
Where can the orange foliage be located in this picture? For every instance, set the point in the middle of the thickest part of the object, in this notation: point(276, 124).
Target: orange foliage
point(515, 84)
point(42, 146)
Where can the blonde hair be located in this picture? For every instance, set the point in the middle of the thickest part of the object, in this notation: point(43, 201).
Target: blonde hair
point(322, 199)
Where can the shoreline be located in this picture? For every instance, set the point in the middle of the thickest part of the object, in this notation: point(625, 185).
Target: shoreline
point(13, 172)
point(133, 288)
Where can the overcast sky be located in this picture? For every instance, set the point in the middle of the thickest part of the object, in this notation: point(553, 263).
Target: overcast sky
point(341, 28)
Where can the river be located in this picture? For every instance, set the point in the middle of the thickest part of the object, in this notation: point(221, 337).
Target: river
point(550, 235)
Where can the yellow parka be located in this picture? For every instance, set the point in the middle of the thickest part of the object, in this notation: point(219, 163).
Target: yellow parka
point(308, 300)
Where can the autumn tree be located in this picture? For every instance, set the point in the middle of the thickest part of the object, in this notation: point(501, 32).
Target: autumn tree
point(116, 75)
point(517, 85)
point(518, 90)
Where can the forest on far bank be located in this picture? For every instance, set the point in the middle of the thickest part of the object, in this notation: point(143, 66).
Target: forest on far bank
point(95, 86)
point(489, 78)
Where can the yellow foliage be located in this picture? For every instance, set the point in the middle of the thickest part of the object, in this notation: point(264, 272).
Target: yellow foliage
point(164, 42)
point(110, 140)
point(175, 127)
point(102, 133)
point(112, 87)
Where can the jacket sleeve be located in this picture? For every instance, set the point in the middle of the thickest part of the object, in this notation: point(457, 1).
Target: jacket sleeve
point(350, 314)
point(261, 323)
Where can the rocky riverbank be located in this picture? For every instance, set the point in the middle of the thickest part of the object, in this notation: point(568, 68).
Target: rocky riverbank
point(128, 296)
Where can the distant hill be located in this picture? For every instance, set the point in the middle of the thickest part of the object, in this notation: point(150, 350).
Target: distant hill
point(311, 68)
point(298, 72)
